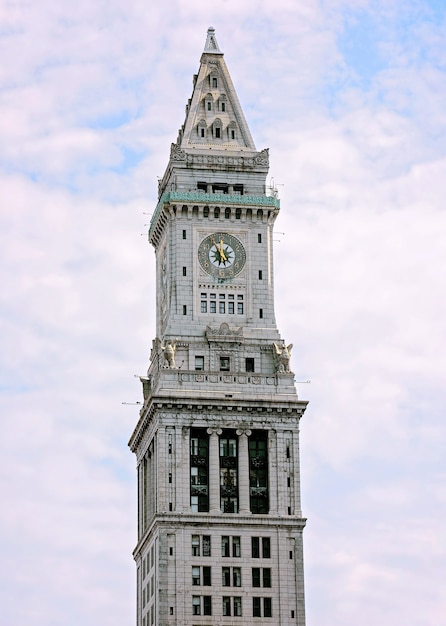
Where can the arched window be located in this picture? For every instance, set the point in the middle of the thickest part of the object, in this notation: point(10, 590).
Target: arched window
point(213, 80)
point(217, 212)
point(222, 103)
point(218, 129)
point(202, 129)
point(208, 102)
point(232, 131)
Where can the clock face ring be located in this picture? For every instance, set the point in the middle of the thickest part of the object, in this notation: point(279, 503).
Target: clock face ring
point(222, 255)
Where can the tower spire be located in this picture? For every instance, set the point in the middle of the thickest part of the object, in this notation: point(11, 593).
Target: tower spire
point(211, 44)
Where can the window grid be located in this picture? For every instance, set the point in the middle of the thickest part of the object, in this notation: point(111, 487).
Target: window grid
point(226, 303)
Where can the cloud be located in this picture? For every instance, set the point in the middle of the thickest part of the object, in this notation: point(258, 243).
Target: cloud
point(91, 97)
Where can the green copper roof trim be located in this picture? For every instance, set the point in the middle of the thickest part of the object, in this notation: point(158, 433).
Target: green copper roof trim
point(212, 198)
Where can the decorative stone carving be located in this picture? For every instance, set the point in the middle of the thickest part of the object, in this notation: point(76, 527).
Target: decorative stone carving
point(262, 157)
point(223, 332)
point(282, 355)
point(176, 154)
point(169, 354)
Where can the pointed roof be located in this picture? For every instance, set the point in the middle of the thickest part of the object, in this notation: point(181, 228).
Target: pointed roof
point(211, 44)
point(214, 117)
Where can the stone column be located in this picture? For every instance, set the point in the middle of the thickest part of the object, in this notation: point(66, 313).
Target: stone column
point(272, 472)
point(214, 470)
point(243, 471)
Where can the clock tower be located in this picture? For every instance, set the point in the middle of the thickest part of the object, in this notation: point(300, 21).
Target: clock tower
point(217, 442)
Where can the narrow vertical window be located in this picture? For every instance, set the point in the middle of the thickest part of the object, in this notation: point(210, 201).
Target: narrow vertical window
point(184, 309)
point(237, 606)
point(195, 545)
point(226, 576)
point(184, 271)
point(256, 611)
point(261, 313)
point(259, 238)
point(256, 576)
point(225, 546)
point(196, 605)
point(195, 575)
point(255, 547)
point(267, 607)
point(236, 577)
point(207, 605)
point(226, 605)
point(184, 234)
point(206, 545)
point(207, 582)
point(266, 547)
point(260, 274)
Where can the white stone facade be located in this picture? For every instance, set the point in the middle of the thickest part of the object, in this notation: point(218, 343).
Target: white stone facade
point(217, 443)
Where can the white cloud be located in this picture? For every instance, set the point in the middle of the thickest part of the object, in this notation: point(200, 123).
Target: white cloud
point(90, 99)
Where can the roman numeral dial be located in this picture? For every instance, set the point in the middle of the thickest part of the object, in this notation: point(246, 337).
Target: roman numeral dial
point(222, 255)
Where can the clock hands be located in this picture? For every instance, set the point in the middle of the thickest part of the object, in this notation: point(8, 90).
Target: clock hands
point(221, 253)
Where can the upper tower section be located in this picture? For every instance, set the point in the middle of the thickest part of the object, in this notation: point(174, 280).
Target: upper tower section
point(214, 117)
point(214, 142)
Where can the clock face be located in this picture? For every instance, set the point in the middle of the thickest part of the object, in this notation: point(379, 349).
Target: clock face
point(222, 255)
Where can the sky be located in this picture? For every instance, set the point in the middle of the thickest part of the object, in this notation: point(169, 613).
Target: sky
point(350, 98)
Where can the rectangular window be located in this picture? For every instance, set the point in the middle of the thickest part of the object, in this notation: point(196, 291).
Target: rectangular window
point(212, 306)
point(217, 132)
point(266, 547)
point(195, 575)
point(226, 605)
point(196, 605)
point(259, 238)
point(240, 304)
point(256, 576)
point(225, 546)
point(184, 234)
point(207, 581)
point(256, 611)
point(236, 551)
point(184, 309)
point(207, 605)
point(261, 313)
point(206, 545)
point(199, 362)
point(237, 607)
point(255, 547)
point(184, 271)
point(226, 576)
point(267, 607)
point(266, 577)
point(249, 364)
point(195, 545)
point(221, 308)
point(260, 274)
point(231, 308)
point(202, 132)
point(236, 577)
point(224, 364)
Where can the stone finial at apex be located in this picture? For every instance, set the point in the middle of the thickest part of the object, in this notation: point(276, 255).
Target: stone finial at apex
point(211, 44)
